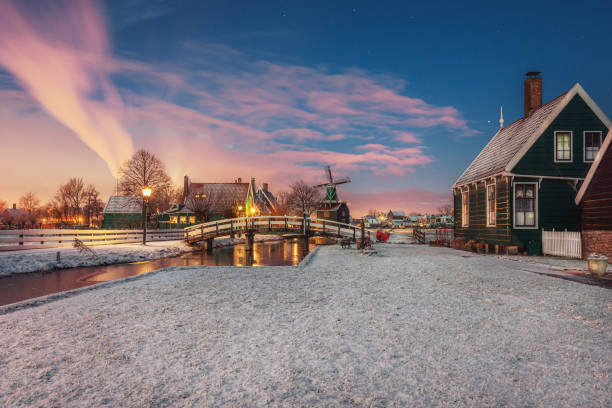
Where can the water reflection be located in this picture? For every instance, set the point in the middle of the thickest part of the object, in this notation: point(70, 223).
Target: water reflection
point(29, 285)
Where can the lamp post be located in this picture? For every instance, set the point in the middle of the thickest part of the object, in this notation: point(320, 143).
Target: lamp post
point(146, 193)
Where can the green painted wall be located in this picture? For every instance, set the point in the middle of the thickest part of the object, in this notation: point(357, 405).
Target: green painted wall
point(539, 160)
point(477, 229)
point(122, 221)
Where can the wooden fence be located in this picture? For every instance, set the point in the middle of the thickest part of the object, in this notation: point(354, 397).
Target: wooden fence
point(562, 243)
point(12, 240)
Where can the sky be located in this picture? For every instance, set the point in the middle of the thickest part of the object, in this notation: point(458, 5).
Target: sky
point(399, 96)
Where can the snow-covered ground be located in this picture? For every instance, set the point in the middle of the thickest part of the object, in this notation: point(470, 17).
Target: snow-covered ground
point(46, 259)
point(412, 326)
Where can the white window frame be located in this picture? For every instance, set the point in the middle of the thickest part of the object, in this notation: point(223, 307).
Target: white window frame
point(494, 184)
point(537, 218)
point(571, 144)
point(465, 218)
point(584, 144)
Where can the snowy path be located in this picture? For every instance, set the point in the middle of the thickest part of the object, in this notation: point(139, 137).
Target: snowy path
point(414, 326)
point(45, 259)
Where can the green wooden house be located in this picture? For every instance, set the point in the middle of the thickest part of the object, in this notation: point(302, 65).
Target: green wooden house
point(526, 178)
point(123, 212)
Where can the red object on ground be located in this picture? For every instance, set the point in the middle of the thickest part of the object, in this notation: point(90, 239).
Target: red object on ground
point(382, 236)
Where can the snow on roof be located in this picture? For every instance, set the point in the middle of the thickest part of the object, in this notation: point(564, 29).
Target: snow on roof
point(398, 213)
point(506, 143)
point(509, 144)
point(235, 192)
point(123, 204)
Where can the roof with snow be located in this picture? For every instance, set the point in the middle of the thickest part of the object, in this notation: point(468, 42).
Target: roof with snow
point(510, 143)
point(123, 205)
point(397, 213)
point(496, 155)
point(235, 192)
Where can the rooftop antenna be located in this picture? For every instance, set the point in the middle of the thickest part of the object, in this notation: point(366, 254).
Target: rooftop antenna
point(501, 117)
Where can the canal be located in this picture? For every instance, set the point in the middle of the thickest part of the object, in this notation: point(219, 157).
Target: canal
point(24, 286)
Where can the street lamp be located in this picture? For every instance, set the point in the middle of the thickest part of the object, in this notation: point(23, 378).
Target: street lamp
point(146, 193)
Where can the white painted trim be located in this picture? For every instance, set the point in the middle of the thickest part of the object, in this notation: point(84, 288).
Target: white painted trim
point(494, 184)
point(537, 194)
point(600, 154)
point(584, 132)
point(510, 174)
point(571, 145)
point(576, 89)
point(465, 218)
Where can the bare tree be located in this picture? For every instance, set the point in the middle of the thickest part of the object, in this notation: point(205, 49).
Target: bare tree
point(304, 198)
point(73, 194)
point(445, 209)
point(2, 206)
point(283, 203)
point(202, 205)
point(144, 169)
point(29, 202)
point(93, 205)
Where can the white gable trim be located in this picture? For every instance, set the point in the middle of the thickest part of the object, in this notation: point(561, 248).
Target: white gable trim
point(576, 90)
point(593, 168)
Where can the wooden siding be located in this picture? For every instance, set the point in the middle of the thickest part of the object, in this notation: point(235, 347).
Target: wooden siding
point(539, 160)
point(477, 229)
point(597, 200)
point(556, 209)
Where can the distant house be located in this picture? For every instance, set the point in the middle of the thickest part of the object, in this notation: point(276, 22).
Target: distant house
point(525, 179)
point(411, 220)
point(123, 212)
point(177, 216)
point(395, 215)
point(337, 211)
point(371, 221)
point(230, 199)
point(595, 201)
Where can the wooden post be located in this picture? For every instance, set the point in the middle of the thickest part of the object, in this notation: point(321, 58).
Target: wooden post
point(232, 229)
point(209, 244)
point(250, 236)
point(362, 234)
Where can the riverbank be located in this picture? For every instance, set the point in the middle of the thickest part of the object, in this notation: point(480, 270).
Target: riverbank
point(35, 260)
point(410, 326)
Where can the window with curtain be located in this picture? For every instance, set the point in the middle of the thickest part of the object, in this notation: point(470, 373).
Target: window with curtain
point(592, 143)
point(524, 205)
point(563, 146)
point(491, 205)
point(465, 210)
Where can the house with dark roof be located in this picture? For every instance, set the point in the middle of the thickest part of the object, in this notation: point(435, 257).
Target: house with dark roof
point(526, 178)
point(595, 200)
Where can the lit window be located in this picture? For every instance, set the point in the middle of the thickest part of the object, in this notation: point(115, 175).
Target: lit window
point(563, 146)
point(197, 196)
point(525, 205)
point(491, 205)
point(465, 209)
point(192, 219)
point(183, 219)
point(592, 143)
point(173, 219)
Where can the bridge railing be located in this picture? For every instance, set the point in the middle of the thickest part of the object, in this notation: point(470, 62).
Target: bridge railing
point(286, 223)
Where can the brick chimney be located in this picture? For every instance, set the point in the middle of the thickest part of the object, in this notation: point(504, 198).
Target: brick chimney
point(185, 188)
point(14, 206)
point(533, 92)
point(265, 187)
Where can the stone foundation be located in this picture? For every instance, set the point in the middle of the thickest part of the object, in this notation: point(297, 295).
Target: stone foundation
point(597, 242)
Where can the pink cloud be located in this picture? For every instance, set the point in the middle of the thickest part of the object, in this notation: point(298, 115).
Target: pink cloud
point(62, 62)
point(407, 137)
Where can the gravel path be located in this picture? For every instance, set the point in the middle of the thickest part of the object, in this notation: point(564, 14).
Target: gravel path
point(412, 326)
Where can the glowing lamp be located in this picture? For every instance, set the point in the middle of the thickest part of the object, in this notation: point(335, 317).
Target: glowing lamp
point(239, 208)
point(253, 210)
point(146, 191)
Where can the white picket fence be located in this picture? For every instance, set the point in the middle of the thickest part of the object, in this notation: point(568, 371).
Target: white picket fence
point(14, 240)
point(562, 243)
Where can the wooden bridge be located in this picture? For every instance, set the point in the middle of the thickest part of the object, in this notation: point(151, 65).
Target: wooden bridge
point(282, 225)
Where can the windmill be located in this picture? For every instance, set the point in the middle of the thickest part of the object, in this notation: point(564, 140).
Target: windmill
point(331, 195)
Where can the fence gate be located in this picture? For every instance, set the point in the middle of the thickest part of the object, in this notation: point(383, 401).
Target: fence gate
point(562, 243)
